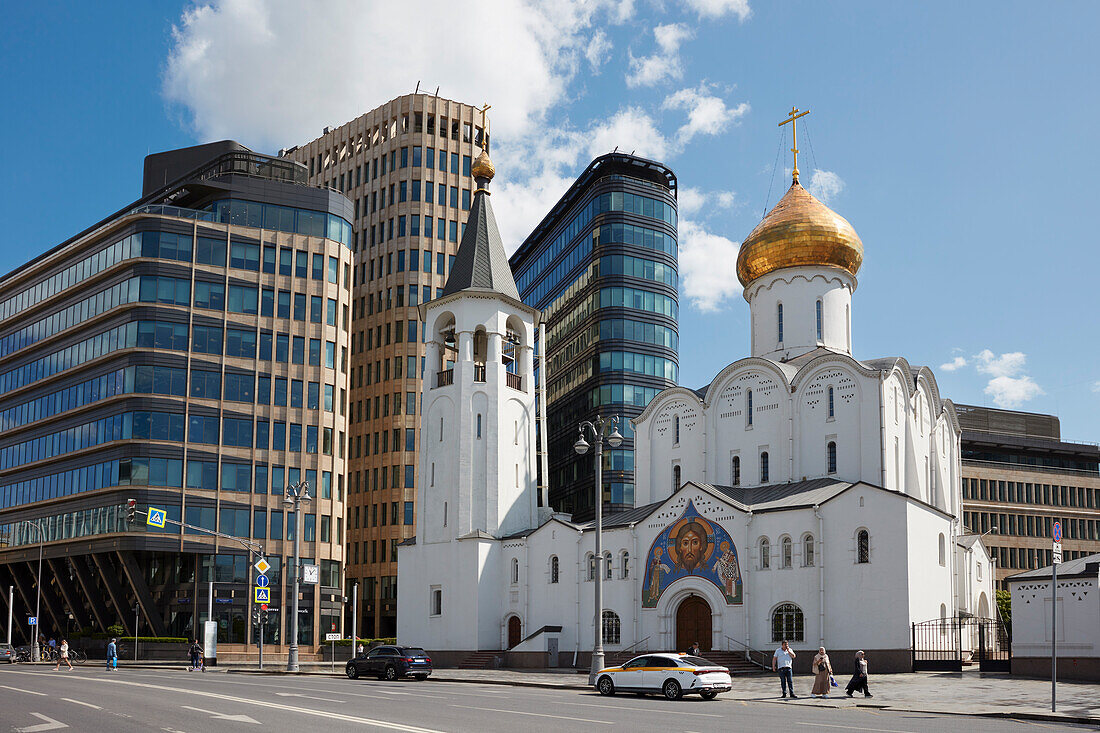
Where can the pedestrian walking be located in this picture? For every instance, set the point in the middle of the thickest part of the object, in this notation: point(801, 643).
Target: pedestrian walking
point(859, 677)
point(823, 673)
point(112, 655)
point(196, 657)
point(694, 650)
point(782, 662)
point(64, 656)
point(359, 651)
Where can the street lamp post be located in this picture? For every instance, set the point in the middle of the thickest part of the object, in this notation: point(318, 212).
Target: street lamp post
point(38, 586)
point(598, 429)
point(295, 496)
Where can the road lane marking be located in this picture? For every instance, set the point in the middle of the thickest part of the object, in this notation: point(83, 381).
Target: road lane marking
point(18, 689)
point(259, 703)
point(537, 715)
point(50, 724)
point(849, 727)
point(308, 697)
point(223, 716)
point(677, 713)
point(78, 702)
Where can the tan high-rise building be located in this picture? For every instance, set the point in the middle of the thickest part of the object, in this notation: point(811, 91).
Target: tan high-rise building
point(406, 168)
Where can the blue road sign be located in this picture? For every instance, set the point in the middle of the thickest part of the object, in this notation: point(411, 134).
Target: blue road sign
point(155, 517)
point(32, 621)
point(262, 581)
point(1057, 531)
point(263, 595)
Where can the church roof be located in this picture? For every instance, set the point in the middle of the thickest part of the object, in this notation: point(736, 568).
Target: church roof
point(481, 263)
point(1087, 565)
point(773, 497)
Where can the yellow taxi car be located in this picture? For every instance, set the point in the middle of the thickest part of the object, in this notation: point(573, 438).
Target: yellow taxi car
point(670, 674)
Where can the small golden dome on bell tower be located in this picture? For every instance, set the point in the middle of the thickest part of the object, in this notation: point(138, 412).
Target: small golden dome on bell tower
point(483, 167)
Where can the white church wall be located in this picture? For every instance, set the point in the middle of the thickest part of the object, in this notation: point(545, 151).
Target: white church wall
point(1078, 626)
point(799, 289)
point(816, 428)
point(676, 436)
point(439, 465)
point(930, 582)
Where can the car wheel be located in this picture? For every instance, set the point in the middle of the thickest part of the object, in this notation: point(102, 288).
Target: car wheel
point(391, 673)
point(709, 695)
point(605, 686)
point(351, 671)
point(672, 690)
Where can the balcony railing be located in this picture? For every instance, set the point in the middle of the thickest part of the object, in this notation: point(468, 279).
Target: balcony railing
point(515, 381)
point(445, 377)
point(479, 372)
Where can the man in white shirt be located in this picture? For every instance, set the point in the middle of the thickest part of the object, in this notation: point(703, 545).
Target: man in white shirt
point(781, 663)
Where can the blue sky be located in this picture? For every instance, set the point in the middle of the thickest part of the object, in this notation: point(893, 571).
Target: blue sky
point(955, 138)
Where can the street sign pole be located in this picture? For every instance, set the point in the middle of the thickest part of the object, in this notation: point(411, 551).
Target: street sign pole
point(1056, 557)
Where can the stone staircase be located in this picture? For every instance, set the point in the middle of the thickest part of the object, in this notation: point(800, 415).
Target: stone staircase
point(480, 660)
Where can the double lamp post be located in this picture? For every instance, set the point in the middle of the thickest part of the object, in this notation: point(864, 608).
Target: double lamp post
point(601, 430)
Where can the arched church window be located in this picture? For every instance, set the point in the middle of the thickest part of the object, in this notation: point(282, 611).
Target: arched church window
point(786, 552)
point(788, 623)
point(765, 553)
point(832, 403)
point(675, 478)
point(612, 628)
point(808, 551)
point(735, 471)
point(479, 426)
point(863, 546)
point(676, 429)
point(830, 457)
point(765, 474)
point(943, 550)
point(820, 324)
point(554, 569)
point(779, 321)
point(748, 407)
point(607, 565)
point(591, 561)
point(515, 571)
point(625, 559)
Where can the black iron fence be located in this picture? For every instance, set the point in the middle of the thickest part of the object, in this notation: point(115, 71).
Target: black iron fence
point(949, 644)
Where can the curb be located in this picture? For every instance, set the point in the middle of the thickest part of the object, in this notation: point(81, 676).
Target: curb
point(1044, 717)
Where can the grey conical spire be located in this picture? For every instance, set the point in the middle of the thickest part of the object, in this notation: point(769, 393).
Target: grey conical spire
point(481, 263)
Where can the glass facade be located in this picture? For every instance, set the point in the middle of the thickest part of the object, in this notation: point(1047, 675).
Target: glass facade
point(146, 360)
point(602, 268)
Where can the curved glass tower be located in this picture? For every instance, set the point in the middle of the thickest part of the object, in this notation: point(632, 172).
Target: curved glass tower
point(602, 268)
point(189, 352)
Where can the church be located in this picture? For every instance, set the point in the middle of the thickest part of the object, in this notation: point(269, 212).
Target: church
point(803, 494)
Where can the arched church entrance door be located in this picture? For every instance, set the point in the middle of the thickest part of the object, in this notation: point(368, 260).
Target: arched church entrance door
point(515, 631)
point(693, 624)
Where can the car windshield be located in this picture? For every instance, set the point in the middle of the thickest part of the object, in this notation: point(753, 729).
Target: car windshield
point(689, 661)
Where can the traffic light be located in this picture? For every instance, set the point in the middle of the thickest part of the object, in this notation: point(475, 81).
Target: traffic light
point(255, 617)
point(263, 614)
point(131, 511)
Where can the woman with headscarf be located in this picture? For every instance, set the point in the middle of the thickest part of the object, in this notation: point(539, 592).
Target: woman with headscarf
point(823, 671)
point(859, 676)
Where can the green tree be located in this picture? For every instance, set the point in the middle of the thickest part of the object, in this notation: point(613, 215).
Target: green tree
point(1004, 608)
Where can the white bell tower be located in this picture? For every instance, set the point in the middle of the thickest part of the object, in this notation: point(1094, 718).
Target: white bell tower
point(477, 420)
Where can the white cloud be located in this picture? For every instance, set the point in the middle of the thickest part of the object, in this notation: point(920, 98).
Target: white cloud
point(243, 67)
point(598, 51)
point(708, 267)
point(1009, 387)
point(1009, 392)
point(1096, 387)
point(707, 114)
point(954, 365)
point(691, 200)
point(825, 185)
point(719, 8)
point(665, 64)
point(629, 129)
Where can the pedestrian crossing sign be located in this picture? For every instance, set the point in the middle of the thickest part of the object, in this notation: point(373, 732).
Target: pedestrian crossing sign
point(263, 595)
point(155, 518)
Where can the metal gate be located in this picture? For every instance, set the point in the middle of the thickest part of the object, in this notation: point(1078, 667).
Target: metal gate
point(949, 644)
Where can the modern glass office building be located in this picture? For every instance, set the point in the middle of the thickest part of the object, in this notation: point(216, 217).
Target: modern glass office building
point(191, 352)
point(601, 266)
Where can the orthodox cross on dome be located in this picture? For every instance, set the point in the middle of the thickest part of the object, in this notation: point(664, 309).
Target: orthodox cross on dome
point(794, 115)
point(484, 128)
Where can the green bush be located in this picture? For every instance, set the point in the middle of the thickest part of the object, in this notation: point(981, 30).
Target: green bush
point(116, 630)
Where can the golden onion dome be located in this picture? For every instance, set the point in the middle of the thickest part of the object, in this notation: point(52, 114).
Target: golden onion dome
point(799, 232)
point(483, 167)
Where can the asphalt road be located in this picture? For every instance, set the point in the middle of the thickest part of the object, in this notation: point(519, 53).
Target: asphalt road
point(35, 700)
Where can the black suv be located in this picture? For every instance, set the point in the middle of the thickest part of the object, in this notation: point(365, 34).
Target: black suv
point(391, 663)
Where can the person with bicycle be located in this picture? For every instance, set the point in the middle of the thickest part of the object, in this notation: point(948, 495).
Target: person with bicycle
point(63, 656)
point(196, 657)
